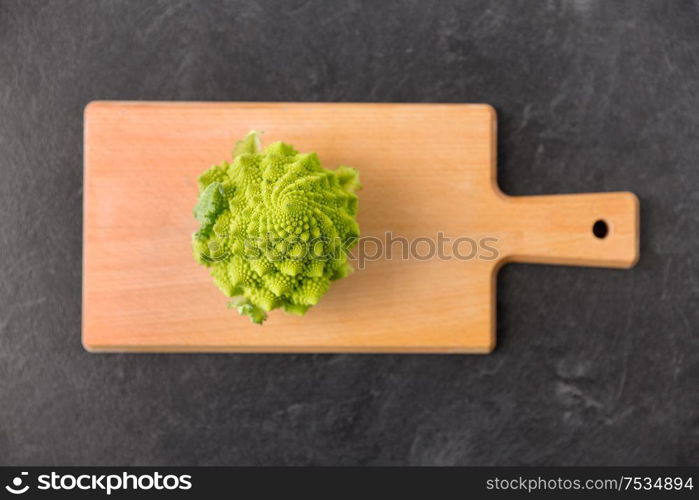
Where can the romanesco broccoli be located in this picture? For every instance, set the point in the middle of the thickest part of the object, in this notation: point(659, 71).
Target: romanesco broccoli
point(276, 227)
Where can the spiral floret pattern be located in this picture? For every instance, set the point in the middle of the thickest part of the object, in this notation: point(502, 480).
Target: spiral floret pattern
point(276, 227)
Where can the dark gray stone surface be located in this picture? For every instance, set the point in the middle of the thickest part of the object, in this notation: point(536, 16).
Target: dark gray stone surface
point(593, 366)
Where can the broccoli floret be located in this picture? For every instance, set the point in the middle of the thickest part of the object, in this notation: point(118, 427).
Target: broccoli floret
point(276, 227)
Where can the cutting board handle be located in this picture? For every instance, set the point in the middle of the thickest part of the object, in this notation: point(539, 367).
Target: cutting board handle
point(595, 229)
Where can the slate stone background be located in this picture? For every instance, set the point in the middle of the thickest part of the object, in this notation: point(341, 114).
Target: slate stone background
point(593, 366)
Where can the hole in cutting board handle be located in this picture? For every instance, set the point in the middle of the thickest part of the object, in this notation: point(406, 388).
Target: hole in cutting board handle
point(600, 229)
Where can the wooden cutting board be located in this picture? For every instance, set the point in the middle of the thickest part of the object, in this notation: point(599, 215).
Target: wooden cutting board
point(426, 169)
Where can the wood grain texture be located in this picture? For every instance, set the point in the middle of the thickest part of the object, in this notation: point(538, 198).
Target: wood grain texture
point(425, 169)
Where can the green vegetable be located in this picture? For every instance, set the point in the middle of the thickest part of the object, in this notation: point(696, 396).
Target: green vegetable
point(276, 227)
